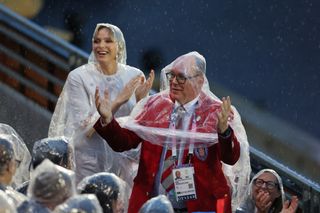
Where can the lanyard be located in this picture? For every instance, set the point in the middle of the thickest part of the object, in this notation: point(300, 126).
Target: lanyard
point(181, 149)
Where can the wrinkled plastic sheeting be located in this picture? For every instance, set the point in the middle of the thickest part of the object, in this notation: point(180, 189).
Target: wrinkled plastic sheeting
point(6, 204)
point(168, 137)
point(51, 184)
point(108, 188)
point(56, 149)
point(22, 155)
point(159, 204)
point(80, 203)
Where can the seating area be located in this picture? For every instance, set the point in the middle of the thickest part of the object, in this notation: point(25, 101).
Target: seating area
point(33, 63)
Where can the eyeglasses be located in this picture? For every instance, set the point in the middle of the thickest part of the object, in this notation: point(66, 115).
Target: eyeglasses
point(269, 184)
point(181, 79)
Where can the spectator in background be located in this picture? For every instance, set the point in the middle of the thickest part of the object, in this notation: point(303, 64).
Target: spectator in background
point(8, 169)
point(57, 150)
point(159, 204)
point(111, 191)
point(75, 112)
point(50, 185)
point(21, 152)
point(205, 122)
point(84, 203)
point(265, 195)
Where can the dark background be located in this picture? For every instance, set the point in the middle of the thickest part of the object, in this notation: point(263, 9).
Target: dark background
point(267, 51)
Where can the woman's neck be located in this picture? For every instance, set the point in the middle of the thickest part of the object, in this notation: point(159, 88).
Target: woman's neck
point(108, 68)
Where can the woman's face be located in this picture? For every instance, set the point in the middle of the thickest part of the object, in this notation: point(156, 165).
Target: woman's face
point(104, 46)
point(266, 183)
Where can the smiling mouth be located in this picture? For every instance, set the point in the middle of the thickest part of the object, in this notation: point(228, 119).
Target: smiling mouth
point(176, 89)
point(102, 53)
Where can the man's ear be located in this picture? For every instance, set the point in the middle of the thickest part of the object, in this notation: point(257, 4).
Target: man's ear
point(201, 80)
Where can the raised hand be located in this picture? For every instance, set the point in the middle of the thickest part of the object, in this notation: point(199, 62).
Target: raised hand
point(290, 207)
point(143, 90)
point(263, 202)
point(126, 93)
point(223, 115)
point(103, 105)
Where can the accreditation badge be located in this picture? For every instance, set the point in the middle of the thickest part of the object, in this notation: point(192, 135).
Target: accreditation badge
point(183, 178)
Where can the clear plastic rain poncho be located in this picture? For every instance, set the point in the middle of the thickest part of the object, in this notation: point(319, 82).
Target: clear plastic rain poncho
point(57, 150)
point(157, 128)
point(84, 203)
point(22, 155)
point(159, 204)
point(7, 160)
point(6, 153)
point(6, 203)
point(75, 114)
point(51, 185)
point(248, 203)
point(111, 191)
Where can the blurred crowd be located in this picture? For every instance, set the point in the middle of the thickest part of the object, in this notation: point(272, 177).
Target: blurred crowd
point(44, 181)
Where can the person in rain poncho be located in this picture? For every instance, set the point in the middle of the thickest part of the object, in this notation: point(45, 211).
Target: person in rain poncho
point(50, 185)
point(187, 128)
point(57, 150)
point(111, 191)
point(22, 155)
point(8, 166)
point(159, 204)
point(75, 112)
point(84, 203)
point(265, 194)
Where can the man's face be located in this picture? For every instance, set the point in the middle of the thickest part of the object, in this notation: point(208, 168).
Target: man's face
point(185, 82)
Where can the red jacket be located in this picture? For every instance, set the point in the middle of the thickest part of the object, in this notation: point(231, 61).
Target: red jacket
point(210, 181)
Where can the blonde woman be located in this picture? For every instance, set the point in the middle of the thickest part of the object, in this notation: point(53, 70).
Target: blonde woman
point(76, 112)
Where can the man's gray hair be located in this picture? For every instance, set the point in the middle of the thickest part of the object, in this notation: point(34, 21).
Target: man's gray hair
point(200, 62)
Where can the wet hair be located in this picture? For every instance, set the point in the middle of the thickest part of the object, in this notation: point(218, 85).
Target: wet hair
point(159, 204)
point(6, 152)
point(55, 149)
point(106, 186)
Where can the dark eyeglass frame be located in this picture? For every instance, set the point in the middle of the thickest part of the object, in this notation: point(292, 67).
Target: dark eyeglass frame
point(269, 184)
point(180, 78)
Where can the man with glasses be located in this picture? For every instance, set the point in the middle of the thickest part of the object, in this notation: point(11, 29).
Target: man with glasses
point(183, 128)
